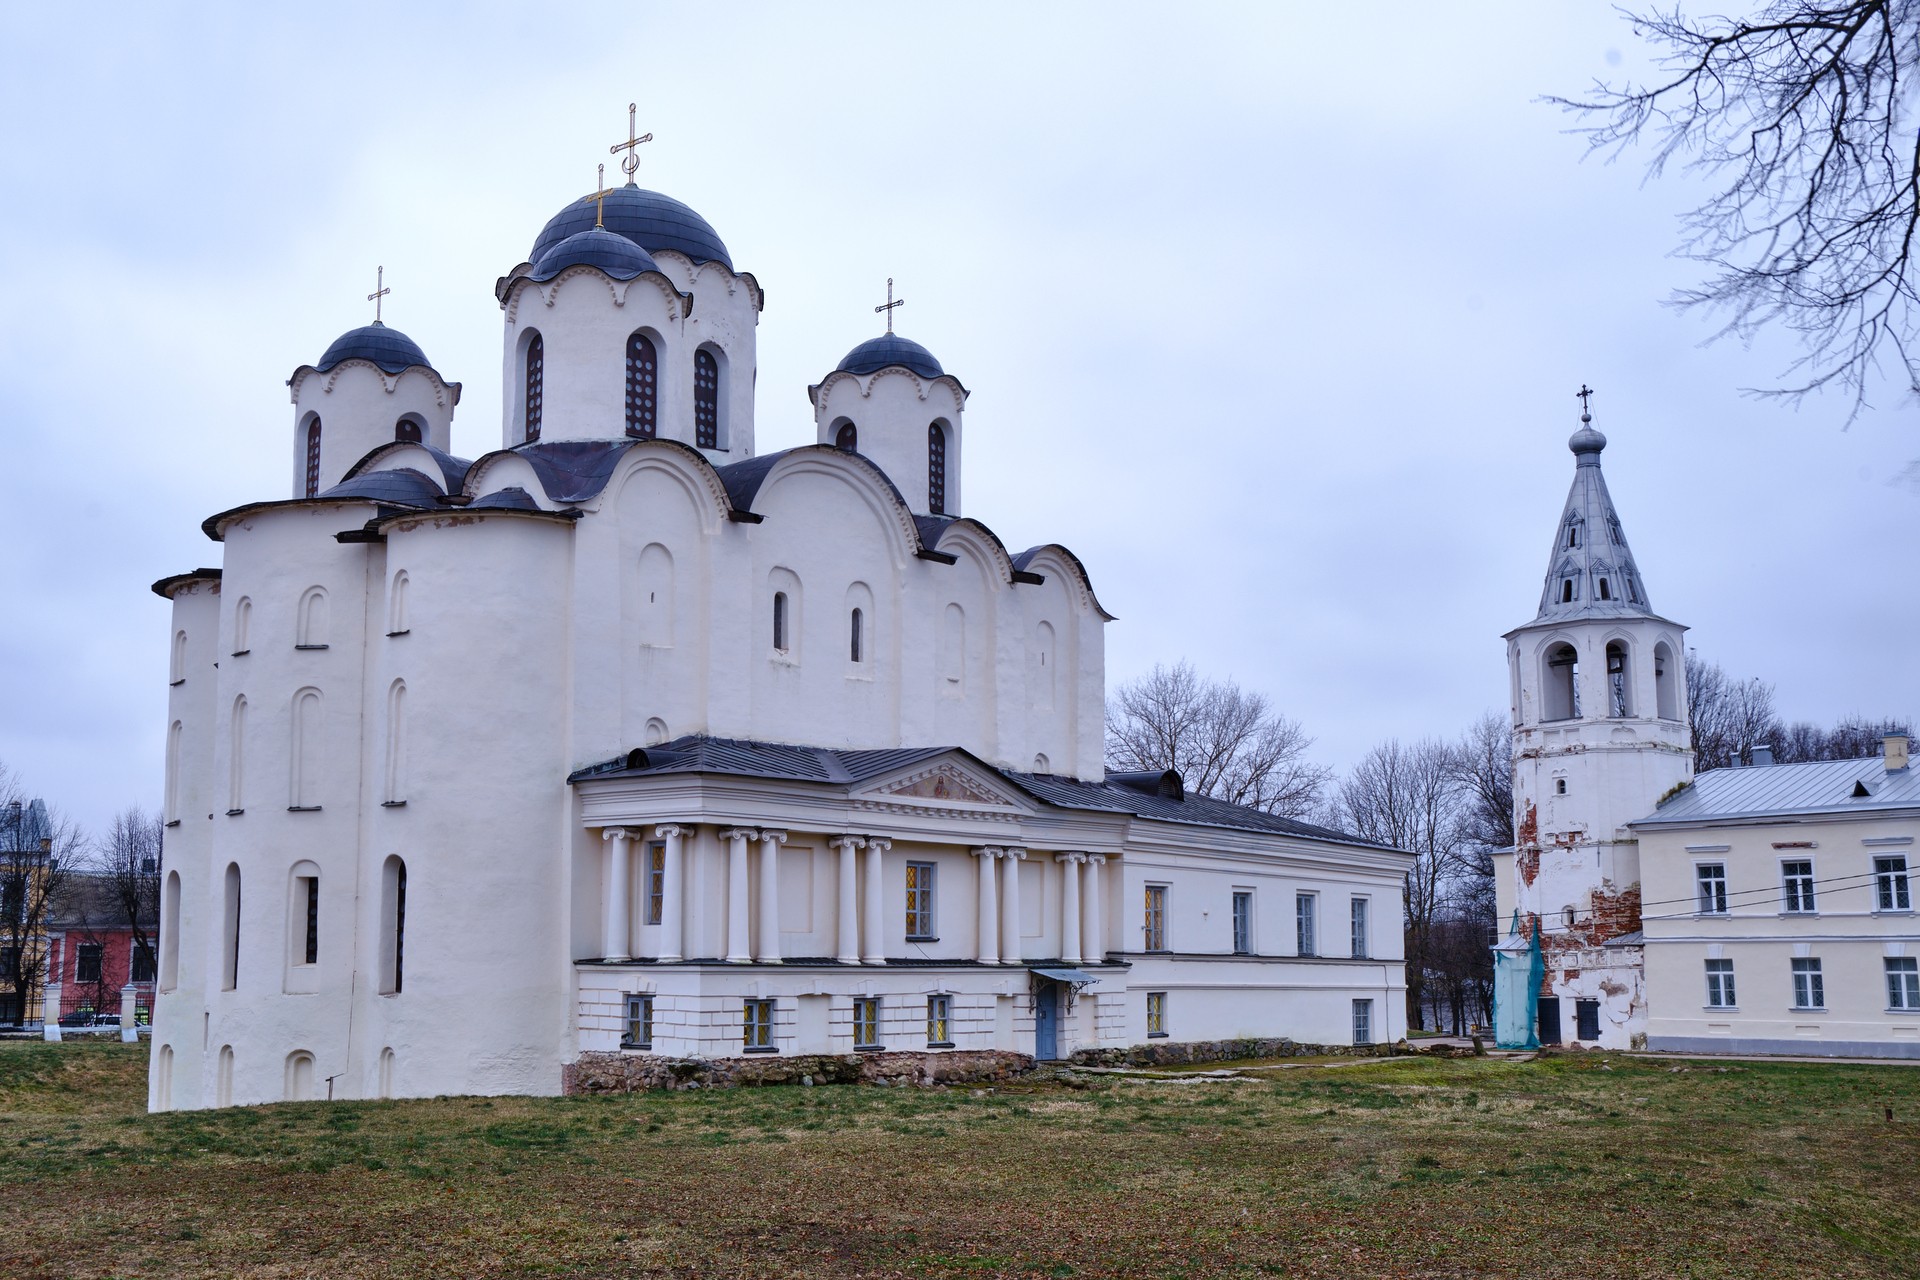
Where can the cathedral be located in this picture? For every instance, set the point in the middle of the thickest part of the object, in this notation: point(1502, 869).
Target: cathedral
point(628, 737)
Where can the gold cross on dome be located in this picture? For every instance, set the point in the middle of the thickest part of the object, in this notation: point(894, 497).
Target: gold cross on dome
point(887, 310)
point(380, 291)
point(630, 162)
point(600, 194)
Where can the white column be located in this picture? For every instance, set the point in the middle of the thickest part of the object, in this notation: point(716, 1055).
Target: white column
point(738, 951)
point(672, 894)
point(1093, 946)
point(987, 922)
point(1070, 905)
point(873, 927)
point(847, 918)
point(49, 1012)
point(768, 952)
point(1010, 905)
point(129, 1014)
point(616, 942)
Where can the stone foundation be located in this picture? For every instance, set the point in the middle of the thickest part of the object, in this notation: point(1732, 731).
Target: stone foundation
point(1182, 1053)
point(637, 1072)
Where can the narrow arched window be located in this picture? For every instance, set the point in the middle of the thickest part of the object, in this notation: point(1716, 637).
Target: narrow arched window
point(237, 757)
point(535, 390)
point(780, 621)
point(407, 429)
point(1566, 591)
point(230, 932)
point(1619, 687)
point(242, 625)
point(393, 926)
point(170, 932)
point(397, 605)
point(847, 438)
point(313, 458)
point(304, 748)
point(643, 385)
point(396, 743)
point(856, 639)
point(178, 669)
point(173, 772)
point(1666, 685)
point(1606, 589)
point(706, 400)
point(936, 469)
point(1562, 688)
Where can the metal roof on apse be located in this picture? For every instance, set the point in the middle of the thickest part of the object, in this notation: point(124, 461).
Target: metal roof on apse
point(1816, 787)
point(511, 498)
point(390, 349)
point(403, 485)
point(649, 219)
point(887, 350)
point(736, 757)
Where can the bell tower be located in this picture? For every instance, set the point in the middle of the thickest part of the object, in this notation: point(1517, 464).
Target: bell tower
point(1600, 735)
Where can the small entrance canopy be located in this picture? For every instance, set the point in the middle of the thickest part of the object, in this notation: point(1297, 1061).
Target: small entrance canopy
point(1073, 976)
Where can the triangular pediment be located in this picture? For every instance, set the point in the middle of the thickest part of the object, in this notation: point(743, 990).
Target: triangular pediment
point(944, 783)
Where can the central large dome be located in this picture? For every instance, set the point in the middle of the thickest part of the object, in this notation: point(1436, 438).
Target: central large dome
point(649, 219)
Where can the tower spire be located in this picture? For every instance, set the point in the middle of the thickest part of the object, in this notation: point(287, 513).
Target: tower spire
point(1590, 572)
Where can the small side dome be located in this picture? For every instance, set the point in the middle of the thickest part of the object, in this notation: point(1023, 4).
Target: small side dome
point(390, 349)
point(616, 255)
point(891, 349)
point(647, 218)
point(402, 486)
point(511, 498)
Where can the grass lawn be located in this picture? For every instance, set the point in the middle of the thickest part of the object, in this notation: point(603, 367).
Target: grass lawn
point(1586, 1165)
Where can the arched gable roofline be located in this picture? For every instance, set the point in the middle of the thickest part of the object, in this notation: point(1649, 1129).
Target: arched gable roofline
point(867, 480)
point(984, 542)
point(1053, 556)
point(732, 279)
point(480, 478)
point(395, 454)
point(679, 304)
point(923, 387)
point(215, 525)
point(686, 466)
point(1551, 638)
point(445, 394)
point(574, 471)
point(1621, 635)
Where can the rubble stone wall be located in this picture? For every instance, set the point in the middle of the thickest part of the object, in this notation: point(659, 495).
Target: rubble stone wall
point(636, 1072)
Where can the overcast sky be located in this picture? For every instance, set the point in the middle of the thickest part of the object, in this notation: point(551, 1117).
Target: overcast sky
point(1275, 319)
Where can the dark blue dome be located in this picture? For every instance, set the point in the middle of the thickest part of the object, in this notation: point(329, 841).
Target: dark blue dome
point(391, 349)
point(876, 354)
point(616, 255)
point(649, 219)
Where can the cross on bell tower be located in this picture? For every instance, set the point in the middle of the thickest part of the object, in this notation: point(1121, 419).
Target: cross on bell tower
point(1584, 393)
point(891, 303)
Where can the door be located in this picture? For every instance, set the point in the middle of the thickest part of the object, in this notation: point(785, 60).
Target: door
point(1586, 1019)
point(1046, 1021)
point(1549, 1019)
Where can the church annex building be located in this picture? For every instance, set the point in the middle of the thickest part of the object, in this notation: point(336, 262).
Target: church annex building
point(626, 737)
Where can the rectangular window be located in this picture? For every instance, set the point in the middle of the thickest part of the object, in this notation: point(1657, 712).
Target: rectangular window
point(1796, 879)
point(1903, 982)
point(1363, 1022)
point(1242, 922)
point(1890, 883)
point(87, 962)
point(1809, 989)
point(639, 1032)
point(1155, 932)
point(939, 1021)
point(142, 965)
point(1303, 912)
point(1360, 929)
point(1711, 880)
point(656, 881)
point(9, 964)
point(1156, 1013)
point(759, 1026)
point(312, 886)
point(1720, 984)
point(866, 1022)
point(920, 901)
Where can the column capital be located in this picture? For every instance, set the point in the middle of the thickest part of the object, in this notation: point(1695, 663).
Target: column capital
point(1097, 859)
point(1013, 854)
point(773, 837)
point(879, 844)
point(985, 851)
point(615, 833)
point(740, 833)
point(846, 842)
point(1069, 857)
point(668, 830)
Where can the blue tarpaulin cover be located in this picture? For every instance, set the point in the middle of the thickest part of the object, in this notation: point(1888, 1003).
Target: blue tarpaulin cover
point(1518, 968)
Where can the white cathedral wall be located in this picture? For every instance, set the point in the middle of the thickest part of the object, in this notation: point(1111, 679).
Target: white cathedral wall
point(891, 411)
point(725, 315)
point(584, 319)
point(360, 406)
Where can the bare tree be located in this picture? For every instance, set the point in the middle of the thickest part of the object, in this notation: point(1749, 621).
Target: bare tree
point(1226, 742)
point(1486, 767)
point(1729, 717)
point(1854, 738)
point(1801, 118)
point(128, 863)
point(38, 851)
point(1411, 796)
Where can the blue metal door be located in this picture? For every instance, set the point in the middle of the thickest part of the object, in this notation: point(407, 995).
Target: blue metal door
point(1046, 1012)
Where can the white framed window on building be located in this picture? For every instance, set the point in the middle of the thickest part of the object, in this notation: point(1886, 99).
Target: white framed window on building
point(1156, 1013)
point(1154, 928)
point(656, 880)
point(920, 902)
point(1363, 1022)
point(1359, 916)
point(1903, 982)
point(866, 1022)
point(939, 1022)
point(1720, 984)
point(1809, 986)
point(1890, 889)
point(638, 1033)
point(1303, 918)
point(758, 1026)
point(1796, 884)
point(1243, 922)
point(1710, 880)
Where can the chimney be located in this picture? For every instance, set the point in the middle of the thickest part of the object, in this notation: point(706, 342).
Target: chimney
point(1762, 754)
point(1896, 749)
